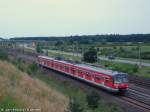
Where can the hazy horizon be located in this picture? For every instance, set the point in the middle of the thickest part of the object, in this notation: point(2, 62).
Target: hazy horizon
point(31, 18)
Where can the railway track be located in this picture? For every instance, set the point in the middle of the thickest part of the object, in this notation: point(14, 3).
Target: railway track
point(141, 81)
point(139, 98)
point(136, 97)
point(143, 106)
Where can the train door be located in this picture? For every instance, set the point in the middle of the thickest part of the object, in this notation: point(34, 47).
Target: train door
point(80, 73)
point(67, 69)
point(72, 70)
point(88, 76)
point(61, 67)
point(52, 64)
point(103, 80)
point(108, 81)
point(97, 78)
point(45, 62)
point(49, 64)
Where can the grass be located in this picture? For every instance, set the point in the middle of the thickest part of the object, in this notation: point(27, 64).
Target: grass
point(144, 71)
point(19, 90)
point(65, 56)
point(8, 102)
point(144, 48)
point(128, 68)
point(135, 60)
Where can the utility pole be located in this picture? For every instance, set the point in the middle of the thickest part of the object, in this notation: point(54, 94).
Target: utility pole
point(139, 55)
point(73, 49)
point(77, 48)
point(15, 49)
point(23, 47)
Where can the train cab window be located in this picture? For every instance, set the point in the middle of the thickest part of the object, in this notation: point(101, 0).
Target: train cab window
point(120, 78)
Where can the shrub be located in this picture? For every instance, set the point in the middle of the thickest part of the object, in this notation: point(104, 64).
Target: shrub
point(19, 64)
point(32, 68)
point(135, 68)
point(74, 106)
point(93, 99)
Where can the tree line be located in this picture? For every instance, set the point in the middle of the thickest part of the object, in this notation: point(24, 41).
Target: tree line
point(87, 39)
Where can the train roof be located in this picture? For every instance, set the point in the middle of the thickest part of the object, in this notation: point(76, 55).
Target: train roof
point(46, 57)
point(97, 69)
point(89, 67)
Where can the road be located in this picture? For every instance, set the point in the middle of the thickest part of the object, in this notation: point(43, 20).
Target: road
point(104, 58)
point(100, 57)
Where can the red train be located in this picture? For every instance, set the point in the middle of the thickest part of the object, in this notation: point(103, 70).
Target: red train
point(110, 80)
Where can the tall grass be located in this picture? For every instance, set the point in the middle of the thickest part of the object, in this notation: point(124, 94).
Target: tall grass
point(19, 90)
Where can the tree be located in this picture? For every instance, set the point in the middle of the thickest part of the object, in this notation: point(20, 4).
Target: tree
point(38, 48)
point(90, 56)
point(74, 106)
point(93, 99)
point(59, 43)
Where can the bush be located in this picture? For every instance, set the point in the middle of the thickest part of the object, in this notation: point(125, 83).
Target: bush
point(74, 106)
point(135, 68)
point(93, 99)
point(19, 64)
point(32, 68)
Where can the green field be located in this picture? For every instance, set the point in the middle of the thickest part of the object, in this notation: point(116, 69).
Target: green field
point(144, 48)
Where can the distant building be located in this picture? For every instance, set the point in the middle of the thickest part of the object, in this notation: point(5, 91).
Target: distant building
point(33, 44)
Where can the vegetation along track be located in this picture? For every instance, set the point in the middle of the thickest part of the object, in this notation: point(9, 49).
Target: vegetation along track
point(134, 97)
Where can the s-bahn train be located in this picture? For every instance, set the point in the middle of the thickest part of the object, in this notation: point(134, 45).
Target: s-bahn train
point(110, 80)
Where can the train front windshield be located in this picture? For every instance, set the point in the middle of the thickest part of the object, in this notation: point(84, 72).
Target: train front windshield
point(120, 78)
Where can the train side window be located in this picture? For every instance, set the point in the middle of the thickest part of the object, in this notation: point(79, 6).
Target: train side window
point(66, 68)
point(107, 80)
point(88, 74)
point(79, 71)
point(73, 70)
point(97, 77)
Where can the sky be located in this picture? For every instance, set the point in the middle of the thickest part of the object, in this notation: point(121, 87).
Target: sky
point(29, 18)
